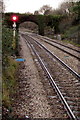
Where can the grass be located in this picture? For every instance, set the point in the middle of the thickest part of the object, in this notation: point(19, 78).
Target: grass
point(9, 67)
point(9, 81)
point(71, 42)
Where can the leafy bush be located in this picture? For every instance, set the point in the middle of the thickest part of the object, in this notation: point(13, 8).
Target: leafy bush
point(7, 41)
point(72, 34)
point(9, 66)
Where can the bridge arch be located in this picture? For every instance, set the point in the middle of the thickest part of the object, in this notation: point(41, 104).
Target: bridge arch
point(40, 20)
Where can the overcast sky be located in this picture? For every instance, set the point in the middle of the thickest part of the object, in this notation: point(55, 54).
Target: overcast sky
point(23, 6)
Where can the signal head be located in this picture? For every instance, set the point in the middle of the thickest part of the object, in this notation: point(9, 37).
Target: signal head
point(14, 18)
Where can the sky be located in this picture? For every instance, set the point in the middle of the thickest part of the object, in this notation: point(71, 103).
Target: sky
point(24, 6)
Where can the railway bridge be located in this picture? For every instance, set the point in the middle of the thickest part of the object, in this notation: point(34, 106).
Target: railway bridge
point(40, 20)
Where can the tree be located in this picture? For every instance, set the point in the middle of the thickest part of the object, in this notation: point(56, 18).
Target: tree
point(76, 10)
point(2, 8)
point(29, 13)
point(48, 12)
point(45, 9)
point(65, 7)
point(36, 12)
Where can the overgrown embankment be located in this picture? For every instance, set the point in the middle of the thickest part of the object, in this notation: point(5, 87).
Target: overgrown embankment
point(71, 35)
point(9, 67)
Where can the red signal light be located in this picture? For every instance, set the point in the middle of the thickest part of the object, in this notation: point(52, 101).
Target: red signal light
point(14, 18)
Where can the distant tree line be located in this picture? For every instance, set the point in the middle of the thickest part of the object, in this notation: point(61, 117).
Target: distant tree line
point(66, 8)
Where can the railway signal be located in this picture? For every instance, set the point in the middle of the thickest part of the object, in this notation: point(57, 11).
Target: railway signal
point(14, 18)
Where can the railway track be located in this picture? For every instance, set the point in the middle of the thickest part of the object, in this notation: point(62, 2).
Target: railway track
point(70, 101)
point(58, 59)
point(72, 52)
point(69, 50)
point(68, 56)
point(46, 38)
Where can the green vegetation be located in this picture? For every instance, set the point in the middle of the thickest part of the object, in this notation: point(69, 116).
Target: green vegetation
point(9, 67)
point(71, 33)
point(76, 9)
point(9, 81)
point(7, 41)
point(40, 20)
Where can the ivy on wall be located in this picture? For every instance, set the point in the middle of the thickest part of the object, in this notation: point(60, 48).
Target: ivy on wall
point(40, 20)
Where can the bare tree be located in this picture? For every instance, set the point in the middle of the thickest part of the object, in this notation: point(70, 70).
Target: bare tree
point(65, 6)
point(29, 13)
point(73, 0)
point(2, 8)
point(36, 12)
point(45, 8)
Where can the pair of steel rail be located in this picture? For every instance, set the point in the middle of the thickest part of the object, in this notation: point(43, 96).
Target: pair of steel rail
point(52, 82)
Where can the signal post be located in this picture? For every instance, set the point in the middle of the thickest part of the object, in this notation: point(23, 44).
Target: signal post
point(14, 19)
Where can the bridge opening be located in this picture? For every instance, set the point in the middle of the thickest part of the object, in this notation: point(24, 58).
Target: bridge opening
point(29, 27)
